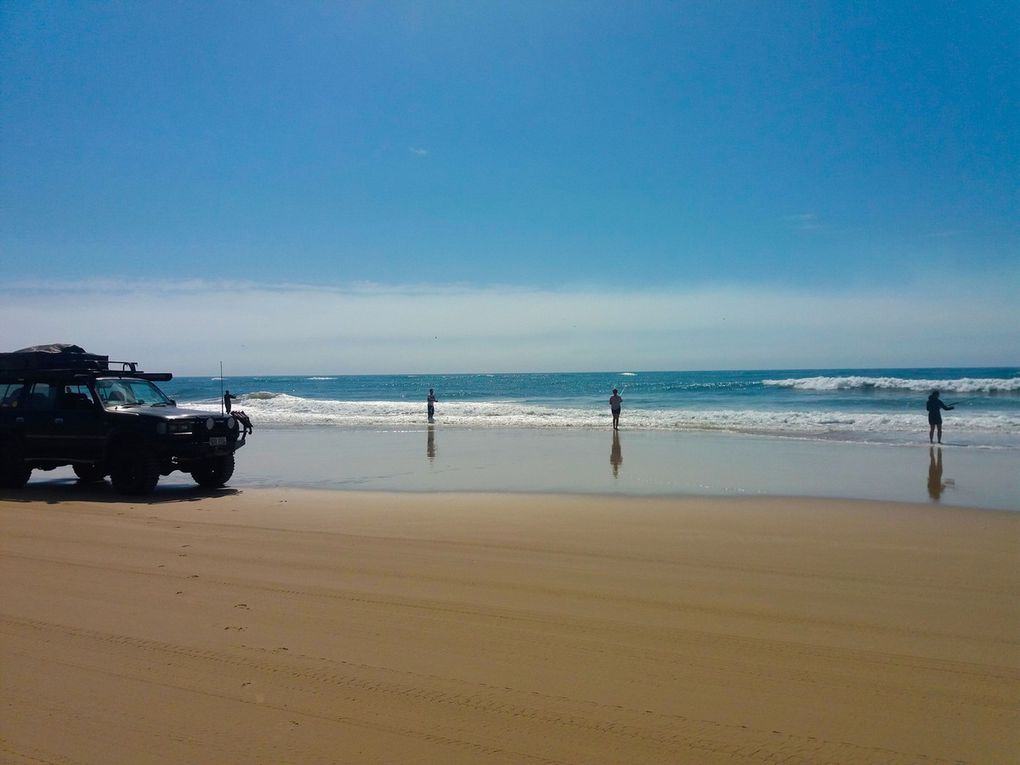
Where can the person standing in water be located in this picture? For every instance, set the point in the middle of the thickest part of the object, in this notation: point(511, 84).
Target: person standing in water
point(935, 407)
point(615, 402)
point(431, 404)
point(227, 398)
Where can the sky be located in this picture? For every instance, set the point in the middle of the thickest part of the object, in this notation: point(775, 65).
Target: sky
point(358, 187)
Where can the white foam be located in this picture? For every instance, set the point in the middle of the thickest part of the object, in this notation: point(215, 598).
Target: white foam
point(285, 410)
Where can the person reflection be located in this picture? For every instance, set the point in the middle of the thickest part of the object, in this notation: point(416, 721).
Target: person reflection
point(430, 444)
point(616, 454)
point(935, 483)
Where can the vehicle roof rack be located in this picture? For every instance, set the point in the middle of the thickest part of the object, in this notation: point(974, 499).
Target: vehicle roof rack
point(84, 374)
point(61, 359)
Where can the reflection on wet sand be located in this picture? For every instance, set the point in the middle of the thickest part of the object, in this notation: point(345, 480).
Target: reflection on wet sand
point(935, 483)
point(430, 444)
point(616, 454)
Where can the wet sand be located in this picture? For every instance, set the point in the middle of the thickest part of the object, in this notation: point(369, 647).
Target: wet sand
point(648, 463)
point(295, 626)
point(638, 463)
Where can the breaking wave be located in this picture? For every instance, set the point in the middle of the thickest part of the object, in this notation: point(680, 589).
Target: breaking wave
point(961, 385)
point(288, 411)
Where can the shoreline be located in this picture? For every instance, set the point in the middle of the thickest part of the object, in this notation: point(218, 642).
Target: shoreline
point(621, 463)
point(861, 405)
point(312, 626)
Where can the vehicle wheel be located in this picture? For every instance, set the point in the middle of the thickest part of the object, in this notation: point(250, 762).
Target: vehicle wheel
point(214, 472)
point(88, 472)
point(135, 471)
point(13, 473)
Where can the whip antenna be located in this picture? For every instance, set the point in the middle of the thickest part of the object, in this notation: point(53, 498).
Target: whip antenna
point(221, 387)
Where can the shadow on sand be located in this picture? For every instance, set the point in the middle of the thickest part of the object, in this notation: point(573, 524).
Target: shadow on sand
point(58, 490)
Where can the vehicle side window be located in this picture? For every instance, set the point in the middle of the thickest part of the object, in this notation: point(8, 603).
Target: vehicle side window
point(76, 397)
point(12, 395)
point(41, 397)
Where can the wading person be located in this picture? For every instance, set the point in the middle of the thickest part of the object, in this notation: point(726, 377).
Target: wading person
point(615, 402)
point(431, 400)
point(935, 407)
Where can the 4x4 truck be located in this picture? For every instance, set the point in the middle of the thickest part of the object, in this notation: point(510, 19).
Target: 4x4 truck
point(62, 406)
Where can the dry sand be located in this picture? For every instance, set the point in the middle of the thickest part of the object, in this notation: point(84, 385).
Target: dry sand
point(284, 626)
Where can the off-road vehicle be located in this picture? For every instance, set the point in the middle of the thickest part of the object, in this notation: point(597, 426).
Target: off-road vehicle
point(62, 406)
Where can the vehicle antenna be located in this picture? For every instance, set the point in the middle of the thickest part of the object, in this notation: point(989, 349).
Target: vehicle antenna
point(221, 387)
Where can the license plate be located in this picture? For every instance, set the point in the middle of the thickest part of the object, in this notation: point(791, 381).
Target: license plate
point(218, 441)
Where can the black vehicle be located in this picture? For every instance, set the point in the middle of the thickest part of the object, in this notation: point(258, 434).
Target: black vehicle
point(62, 406)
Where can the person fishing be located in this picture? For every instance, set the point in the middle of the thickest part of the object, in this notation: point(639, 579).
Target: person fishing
point(242, 419)
point(935, 405)
point(615, 404)
point(431, 401)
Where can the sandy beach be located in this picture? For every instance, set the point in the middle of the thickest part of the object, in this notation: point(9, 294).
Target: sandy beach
point(298, 626)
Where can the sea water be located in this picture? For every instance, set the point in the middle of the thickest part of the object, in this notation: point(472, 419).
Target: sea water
point(881, 406)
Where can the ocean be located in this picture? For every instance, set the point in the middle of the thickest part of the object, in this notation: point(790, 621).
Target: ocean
point(881, 406)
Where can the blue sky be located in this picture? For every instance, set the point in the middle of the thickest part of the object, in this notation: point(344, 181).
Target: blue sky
point(409, 186)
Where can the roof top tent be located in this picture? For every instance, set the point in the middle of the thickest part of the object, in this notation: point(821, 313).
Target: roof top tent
point(54, 356)
point(59, 359)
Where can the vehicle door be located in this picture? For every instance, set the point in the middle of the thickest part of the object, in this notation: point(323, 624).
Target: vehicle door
point(77, 431)
point(13, 396)
point(37, 412)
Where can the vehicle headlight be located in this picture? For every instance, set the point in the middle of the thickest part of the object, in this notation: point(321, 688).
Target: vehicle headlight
point(232, 423)
point(180, 426)
point(209, 423)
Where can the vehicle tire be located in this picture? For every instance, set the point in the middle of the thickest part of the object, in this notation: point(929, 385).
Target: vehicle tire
point(89, 472)
point(214, 472)
point(13, 472)
point(135, 471)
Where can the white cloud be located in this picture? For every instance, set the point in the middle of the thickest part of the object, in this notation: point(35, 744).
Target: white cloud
point(190, 326)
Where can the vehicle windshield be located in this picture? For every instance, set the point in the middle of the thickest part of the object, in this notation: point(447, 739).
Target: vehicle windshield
point(130, 392)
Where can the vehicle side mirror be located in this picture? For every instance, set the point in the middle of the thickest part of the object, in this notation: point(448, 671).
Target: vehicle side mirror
point(173, 402)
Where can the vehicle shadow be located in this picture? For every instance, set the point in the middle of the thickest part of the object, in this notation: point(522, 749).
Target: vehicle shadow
point(59, 490)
